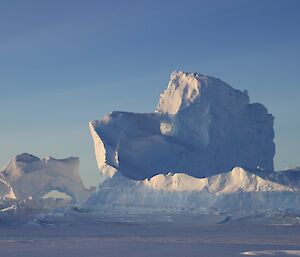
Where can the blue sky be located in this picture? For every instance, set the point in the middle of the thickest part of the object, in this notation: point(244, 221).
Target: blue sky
point(64, 63)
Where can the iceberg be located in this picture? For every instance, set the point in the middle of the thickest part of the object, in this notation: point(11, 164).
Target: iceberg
point(201, 127)
point(205, 148)
point(29, 177)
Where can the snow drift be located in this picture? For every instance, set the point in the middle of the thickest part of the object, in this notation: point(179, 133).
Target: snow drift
point(231, 191)
point(201, 127)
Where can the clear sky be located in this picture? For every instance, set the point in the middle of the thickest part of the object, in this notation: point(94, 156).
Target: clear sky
point(64, 63)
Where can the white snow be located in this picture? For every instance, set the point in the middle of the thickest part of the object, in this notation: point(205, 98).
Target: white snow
point(236, 180)
point(231, 191)
point(280, 253)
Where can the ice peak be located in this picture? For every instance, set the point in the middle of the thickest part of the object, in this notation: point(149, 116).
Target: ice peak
point(182, 90)
point(178, 73)
point(26, 157)
point(185, 89)
point(69, 160)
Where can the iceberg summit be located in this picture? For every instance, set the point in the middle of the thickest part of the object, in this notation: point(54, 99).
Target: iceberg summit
point(201, 127)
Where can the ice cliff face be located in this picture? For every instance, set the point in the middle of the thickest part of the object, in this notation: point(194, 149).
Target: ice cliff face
point(28, 176)
point(201, 127)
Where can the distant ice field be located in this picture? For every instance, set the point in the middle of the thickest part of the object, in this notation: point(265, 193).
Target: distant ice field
point(144, 239)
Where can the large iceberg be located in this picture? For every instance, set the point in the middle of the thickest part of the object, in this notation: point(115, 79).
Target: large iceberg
point(205, 148)
point(29, 177)
point(201, 127)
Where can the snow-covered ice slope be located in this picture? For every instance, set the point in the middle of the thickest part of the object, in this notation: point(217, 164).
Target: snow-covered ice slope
point(6, 192)
point(201, 127)
point(230, 191)
point(28, 176)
